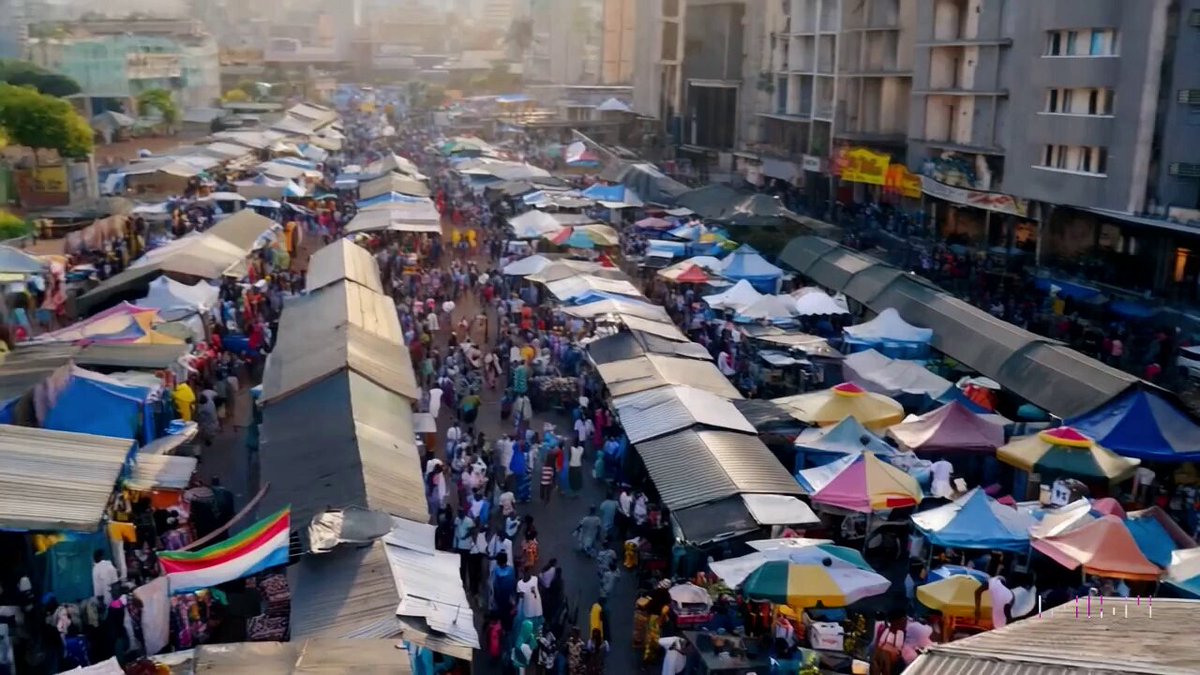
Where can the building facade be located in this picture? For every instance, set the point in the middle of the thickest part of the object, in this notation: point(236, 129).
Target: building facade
point(619, 41)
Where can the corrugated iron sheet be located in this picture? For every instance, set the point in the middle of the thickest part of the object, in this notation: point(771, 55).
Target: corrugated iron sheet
point(341, 304)
point(140, 356)
point(348, 593)
point(150, 471)
point(652, 370)
point(344, 441)
point(632, 344)
point(1128, 638)
point(662, 411)
point(312, 352)
point(342, 260)
point(242, 229)
point(325, 656)
point(716, 521)
point(690, 468)
point(56, 480)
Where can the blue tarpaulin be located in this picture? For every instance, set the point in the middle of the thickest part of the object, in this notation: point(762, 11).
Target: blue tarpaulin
point(746, 263)
point(1067, 289)
point(1130, 309)
point(817, 447)
point(1152, 538)
point(975, 521)
point(93, 406)
point(1143, 423)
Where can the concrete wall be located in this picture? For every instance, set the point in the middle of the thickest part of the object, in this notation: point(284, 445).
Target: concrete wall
point(1133, 74)
point(1180, 140)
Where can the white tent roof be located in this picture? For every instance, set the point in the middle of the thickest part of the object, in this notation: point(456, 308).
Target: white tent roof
point(614, 105)
point(738, 297)
point(175, 300)
point(889, 325)
point(658, 412)
point(534, 225)
point(566, 289)
point(779, 510)
point(634, 308)
point(526, 266)
point(820, 303)
point(875, 372)
point(769, 307)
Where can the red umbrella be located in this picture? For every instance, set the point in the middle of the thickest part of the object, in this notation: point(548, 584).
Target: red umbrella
point(692, 275)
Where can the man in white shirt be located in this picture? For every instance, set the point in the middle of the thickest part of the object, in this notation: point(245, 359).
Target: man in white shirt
point(435, 400)
point(104, 575)
point(530, 595)
point(725, 363)
point(431, 322)
point(581, 431)
point(453, 436)
point(942, 471)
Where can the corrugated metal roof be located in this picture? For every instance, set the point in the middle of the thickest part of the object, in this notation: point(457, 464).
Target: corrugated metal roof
point(312, 352)
point(662, 329)
point(631, 344)
point(662, 411)
point(343, 260)
point(172, 472)
point(429, 594)
point(764, 413)
point(141, 356)
point(711, 522)
point(690, 468)
point(340, 304)
point(1128, 638)
point(27, 366)
point(344, 441)
point(325, 656)
point(653, 370)
point(347, 593)
point(56, 480)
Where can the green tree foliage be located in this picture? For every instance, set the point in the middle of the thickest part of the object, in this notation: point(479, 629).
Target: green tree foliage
point(159, 100)
point(23, 73)
point(12, 226)
point(36, 120)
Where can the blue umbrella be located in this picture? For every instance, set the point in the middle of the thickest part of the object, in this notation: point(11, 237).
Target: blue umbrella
point(580, 240)
point(947, 571)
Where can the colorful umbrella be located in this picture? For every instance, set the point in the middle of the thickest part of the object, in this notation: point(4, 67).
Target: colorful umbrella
point(955, 596)
point(806, 585)
point(692, 275)
point(948, 571)
point(861, 483)
point(830, 406)
point(579, 240)
point(1103, 547)
point(812, 547)
point(1066, 452)
point(654, 224)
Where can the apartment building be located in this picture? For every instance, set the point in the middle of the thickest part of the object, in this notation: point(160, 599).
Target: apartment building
point(568, 37)
point(620, 28)
point(1175, 163)
point(658, 55)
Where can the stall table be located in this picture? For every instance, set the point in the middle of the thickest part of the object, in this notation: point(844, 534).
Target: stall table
point(713, 664)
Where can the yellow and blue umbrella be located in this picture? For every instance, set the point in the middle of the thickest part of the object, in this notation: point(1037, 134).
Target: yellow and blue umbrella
point(807, 585)
point(1066, 452)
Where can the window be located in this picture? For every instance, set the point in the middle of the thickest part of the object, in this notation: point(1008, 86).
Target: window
point(1090, 101)
point(1089, 42)
point(1076, 158)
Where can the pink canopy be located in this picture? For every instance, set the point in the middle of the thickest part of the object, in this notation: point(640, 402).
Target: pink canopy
point(864, 484)
point(1103, 547)
point(950, 427)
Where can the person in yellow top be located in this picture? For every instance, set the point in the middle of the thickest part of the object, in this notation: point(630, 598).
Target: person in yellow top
point(185, 401)
point(455, 236)
point(471, 237)
point(289, 237)
point(527, 353)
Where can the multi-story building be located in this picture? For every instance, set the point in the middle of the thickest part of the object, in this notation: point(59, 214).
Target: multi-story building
point(658, 55)
point(1176, 161)
point(620, 27)
point(568, 38)
point(14, 29)
point(115, 61)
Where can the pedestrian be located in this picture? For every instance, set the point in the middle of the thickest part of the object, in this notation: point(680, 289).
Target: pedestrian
point(587, 532)
point(530, 594)
point(502, 584)
point(608, 579)
point(476, 556)
point(575, 469)
point(546, 489)
point(608, 516)
point(523, 648)
point(576, 656)
point(597, 652)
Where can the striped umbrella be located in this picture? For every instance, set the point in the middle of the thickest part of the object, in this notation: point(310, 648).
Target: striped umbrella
point(1066, 452)
point(804, 585)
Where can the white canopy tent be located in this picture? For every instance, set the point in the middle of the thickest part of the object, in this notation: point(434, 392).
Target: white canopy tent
point(816, 302)
point(889, 325)
point(175, 300)
point(737, 297)
point(526, 266)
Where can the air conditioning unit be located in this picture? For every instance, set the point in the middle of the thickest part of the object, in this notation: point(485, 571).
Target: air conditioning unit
point(1189, 96)
point(1184, 170)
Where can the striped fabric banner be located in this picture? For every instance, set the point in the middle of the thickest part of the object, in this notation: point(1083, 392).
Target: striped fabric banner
point(259, 547)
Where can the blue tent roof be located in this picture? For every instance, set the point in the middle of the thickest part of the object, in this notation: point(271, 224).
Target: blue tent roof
point(975, 521)
point(579, 240)
point(596, 296)
point(390, 197)
point(746, 263)
point(1145, 424)
point(820, 446)
point(605, 193)
point(89, 405)
point(1152, 538)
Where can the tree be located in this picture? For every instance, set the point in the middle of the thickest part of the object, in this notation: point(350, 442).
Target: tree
point(236, 96)
point(520, 35)
point(36, 120)
point(159, 100)
point(12, 226)
point(23, 73)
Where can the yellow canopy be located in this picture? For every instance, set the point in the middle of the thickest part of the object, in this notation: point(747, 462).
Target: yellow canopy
point(830, 406)
point(955, 597)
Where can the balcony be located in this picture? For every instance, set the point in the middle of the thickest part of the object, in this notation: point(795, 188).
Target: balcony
point(879, 72)
point(956, 91)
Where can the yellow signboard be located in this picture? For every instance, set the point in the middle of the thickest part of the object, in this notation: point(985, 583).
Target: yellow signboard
point(859, 165)
point(50, 179)
point(903, 182)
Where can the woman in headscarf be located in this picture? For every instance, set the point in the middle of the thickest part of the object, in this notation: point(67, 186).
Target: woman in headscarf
point(524, 647)
point(519, 468)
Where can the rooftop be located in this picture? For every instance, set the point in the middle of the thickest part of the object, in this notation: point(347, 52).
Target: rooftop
point(1128, 636)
